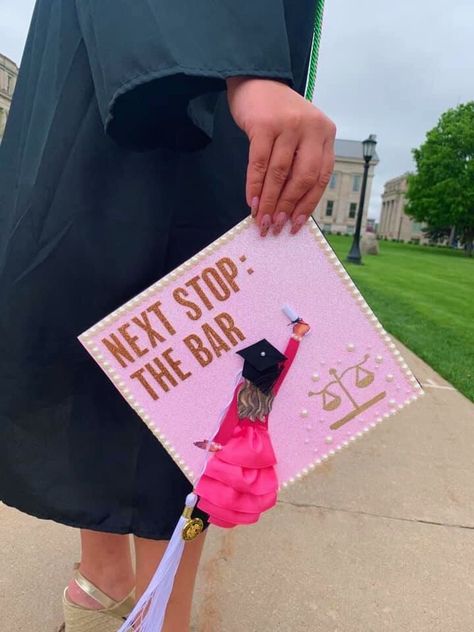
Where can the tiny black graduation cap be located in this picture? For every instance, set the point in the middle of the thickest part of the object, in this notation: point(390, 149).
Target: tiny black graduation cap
point(263, 364)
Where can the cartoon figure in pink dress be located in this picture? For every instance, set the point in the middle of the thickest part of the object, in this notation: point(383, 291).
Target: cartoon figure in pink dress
point(240, 480)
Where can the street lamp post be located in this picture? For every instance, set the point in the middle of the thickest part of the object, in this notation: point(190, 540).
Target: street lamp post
point(368, 146)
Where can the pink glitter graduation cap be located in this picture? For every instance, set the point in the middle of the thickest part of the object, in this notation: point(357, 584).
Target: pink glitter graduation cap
point(173, 353)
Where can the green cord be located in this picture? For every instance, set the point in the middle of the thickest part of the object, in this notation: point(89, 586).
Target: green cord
point(313, 62)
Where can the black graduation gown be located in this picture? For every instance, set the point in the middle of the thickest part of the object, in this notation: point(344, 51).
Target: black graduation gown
point(120, 161)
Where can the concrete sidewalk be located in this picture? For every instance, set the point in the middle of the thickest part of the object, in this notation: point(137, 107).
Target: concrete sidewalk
point(379, 538)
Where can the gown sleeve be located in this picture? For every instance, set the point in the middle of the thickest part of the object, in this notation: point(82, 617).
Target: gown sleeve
point(290, 352)
point(158, 65)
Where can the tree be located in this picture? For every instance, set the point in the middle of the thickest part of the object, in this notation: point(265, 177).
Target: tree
point(441, 192)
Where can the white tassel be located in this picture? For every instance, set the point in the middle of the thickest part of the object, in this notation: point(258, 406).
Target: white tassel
point(149, 613)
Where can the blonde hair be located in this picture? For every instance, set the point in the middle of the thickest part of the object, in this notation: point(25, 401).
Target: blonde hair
point(252, 403)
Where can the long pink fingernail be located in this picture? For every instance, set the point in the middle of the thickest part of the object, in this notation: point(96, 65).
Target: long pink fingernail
point(280, 220)
point(297, 224)
point(265, 225)
point(254, 206)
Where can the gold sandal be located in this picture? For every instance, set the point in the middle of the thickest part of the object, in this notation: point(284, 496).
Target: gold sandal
point(109, 618)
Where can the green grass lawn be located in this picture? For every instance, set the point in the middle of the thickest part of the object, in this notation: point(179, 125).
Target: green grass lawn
point(425, 297)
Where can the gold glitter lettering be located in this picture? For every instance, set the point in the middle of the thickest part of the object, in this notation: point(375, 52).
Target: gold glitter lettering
point(178, 295)
point(215, 282)
point(118, 350)
point(197, 348)
point(229, 271)
point(138, 375)
point(161, 375)
point(145, 324)
point(217, 343)
point(175, 364)
point(229, 329)
point(131, 340)
point(194, 283)
point(155, 309)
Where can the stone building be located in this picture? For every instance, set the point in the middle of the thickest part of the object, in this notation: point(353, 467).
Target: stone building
point(394, 222)
point(337, 210)
point(8, 76)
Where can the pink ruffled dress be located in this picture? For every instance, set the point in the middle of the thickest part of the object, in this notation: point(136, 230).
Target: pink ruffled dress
point(240, 481)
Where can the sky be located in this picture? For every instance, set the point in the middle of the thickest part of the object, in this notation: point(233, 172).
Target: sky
point(387, 67)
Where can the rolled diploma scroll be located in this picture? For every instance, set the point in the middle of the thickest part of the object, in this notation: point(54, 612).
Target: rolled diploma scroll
point(292, 315)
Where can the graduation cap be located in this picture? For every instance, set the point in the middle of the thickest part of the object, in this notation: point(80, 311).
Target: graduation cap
point(263, 364)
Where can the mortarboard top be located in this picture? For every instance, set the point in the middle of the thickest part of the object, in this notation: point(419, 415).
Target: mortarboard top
point(262, 355)
point(262, 364)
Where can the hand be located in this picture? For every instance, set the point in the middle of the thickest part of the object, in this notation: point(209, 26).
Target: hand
point(291, 156)
point(301, 328)
point(210, 446)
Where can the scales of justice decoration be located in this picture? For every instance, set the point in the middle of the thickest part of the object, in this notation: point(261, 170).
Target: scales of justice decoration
point(362, 379)
point(252, 341)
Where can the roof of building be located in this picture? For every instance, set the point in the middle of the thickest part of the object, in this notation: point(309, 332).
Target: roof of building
point(9, 61)
point(351, 149)
point(400, 178)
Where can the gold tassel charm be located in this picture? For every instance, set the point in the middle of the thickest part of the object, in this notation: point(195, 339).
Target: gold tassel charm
point(193, 526)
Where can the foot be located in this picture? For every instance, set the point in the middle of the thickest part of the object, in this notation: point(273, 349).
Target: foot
point(77, 596)
point(116, 588)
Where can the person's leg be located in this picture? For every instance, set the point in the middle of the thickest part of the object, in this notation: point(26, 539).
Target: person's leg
point(106, 561)
point(148, 555)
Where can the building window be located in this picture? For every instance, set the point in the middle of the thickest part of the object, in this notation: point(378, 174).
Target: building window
point(327, 228)
point(352, 210)
point(356, 182)
point(333, 181)
point(329, 207)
